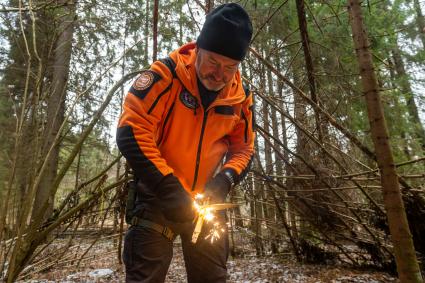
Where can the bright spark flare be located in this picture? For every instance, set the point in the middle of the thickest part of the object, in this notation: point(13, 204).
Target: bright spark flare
point(199, 204)
point(207, 214)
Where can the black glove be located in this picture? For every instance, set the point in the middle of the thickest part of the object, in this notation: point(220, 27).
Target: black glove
point(218, 188)
point(176, 203)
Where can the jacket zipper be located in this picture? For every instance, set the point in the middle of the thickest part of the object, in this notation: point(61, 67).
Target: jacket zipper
point(198, 154)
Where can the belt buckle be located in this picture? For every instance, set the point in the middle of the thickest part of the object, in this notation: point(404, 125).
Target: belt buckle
point(168, 233)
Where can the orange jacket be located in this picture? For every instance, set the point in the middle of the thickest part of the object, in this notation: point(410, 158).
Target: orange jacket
point(164, 128)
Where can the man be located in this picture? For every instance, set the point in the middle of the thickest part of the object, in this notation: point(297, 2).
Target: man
point(180, 119)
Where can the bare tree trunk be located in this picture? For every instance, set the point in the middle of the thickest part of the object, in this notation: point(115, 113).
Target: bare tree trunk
point(302, 22)
point(237, 210)
point(271, 213)
point(181, 26)
point(146, 34)
point(407, 264)
point(300, 114)
point(275, 128)
point(26, 161)
point(279, 163)
point(267, 210)
point(209, 5)
point(290, 211)
point(56, 106)
point(77, 170)
point(155, 30)
point(302, 145)
point(257, 209)
point(119, 213)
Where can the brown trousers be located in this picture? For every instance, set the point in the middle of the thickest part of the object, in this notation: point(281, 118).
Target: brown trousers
point(147, 254)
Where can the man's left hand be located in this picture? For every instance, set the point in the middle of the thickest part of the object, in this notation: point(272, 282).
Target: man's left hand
point(217, 188)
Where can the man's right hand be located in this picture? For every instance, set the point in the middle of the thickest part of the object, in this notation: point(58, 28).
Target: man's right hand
point(176, 203)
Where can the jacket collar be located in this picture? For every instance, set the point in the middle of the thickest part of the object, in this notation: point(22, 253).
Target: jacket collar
point(185, 58)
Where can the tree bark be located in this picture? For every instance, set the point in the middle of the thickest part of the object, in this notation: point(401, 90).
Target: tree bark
point(302, 22)
point(146, 35)
point(155, 30)
point(56, 106)
point(209, 5)
point(290, 212)
point(407, 264)
point(256, 209)
point(270, 166)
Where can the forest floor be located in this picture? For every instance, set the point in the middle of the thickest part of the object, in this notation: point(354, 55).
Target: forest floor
point(101, 265)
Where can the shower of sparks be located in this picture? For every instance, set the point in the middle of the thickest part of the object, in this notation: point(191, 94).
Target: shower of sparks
point(206, 213)
point(215, 232)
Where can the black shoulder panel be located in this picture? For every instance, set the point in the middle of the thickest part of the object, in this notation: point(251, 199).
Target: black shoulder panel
point(170, 65)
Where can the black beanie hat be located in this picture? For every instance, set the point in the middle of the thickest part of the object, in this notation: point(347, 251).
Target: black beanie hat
point(227, 31)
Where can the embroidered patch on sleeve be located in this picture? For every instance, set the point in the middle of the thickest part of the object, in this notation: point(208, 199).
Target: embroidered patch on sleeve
point(144, 83)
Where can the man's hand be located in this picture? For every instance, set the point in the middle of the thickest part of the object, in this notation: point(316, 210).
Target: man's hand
point(218, 187)
point(176, 203)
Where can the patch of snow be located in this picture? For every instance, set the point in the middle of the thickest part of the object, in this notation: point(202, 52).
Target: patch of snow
point(105, 272)
point(73, 276)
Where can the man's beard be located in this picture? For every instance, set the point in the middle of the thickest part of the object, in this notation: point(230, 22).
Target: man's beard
point(210, 78)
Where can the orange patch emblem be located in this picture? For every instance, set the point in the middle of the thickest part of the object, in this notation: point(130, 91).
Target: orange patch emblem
point(143, 81)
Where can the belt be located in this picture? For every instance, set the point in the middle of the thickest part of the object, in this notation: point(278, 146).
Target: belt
point(163, 230)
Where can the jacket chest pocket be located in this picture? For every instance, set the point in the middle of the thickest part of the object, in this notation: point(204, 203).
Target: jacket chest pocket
point(222, 120)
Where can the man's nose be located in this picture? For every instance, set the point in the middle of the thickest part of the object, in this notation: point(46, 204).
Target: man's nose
point(218, 74)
